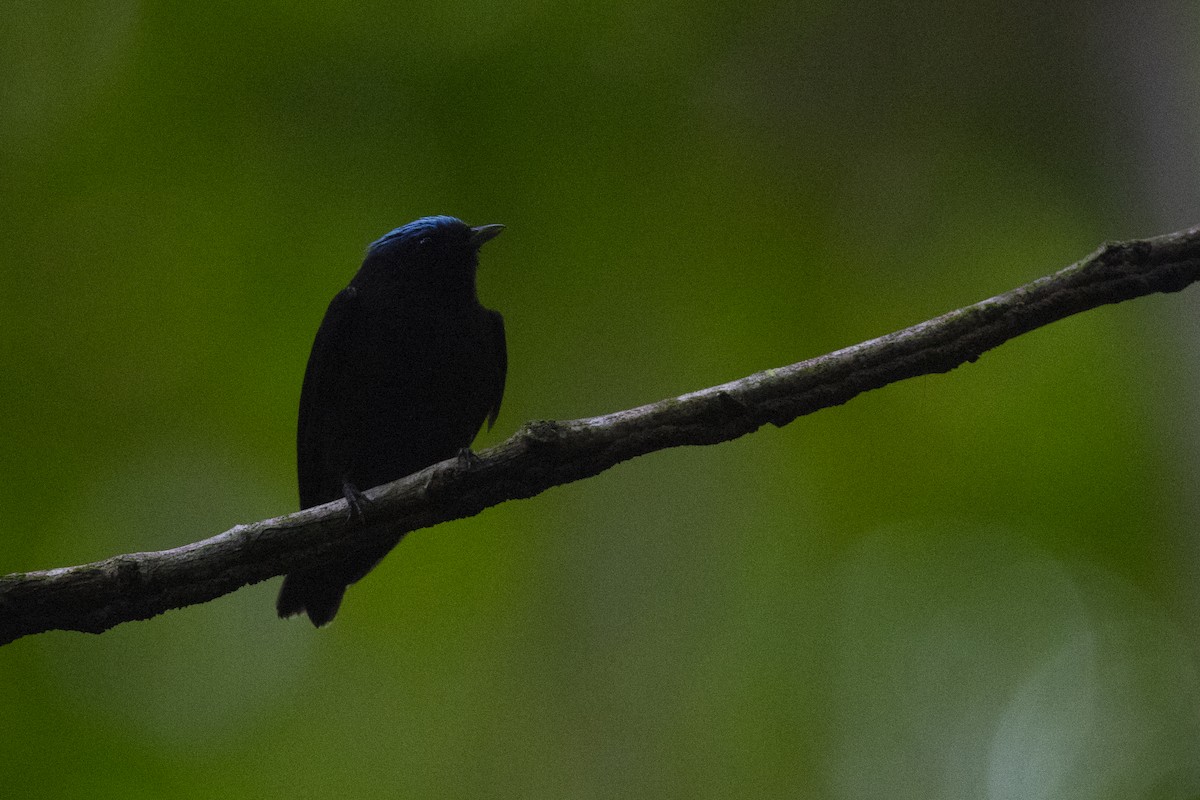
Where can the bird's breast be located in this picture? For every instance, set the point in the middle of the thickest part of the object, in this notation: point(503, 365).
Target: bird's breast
point(424, 355)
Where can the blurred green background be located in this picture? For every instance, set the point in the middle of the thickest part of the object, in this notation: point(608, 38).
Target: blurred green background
point(982, 584)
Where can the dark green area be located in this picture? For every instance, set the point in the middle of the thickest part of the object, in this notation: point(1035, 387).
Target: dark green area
point(972, 585)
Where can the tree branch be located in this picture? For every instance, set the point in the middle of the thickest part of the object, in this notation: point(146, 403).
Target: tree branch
point(95, 597)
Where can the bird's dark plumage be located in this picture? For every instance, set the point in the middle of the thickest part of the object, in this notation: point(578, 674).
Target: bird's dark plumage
point(405, 368)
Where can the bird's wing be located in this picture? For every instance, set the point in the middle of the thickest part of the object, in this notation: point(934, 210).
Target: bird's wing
point(500, 349)
point(323, 380)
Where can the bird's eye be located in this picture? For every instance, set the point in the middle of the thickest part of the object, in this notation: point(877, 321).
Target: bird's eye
point(424, 242)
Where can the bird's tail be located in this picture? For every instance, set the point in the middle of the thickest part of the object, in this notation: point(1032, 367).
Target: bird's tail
point(306, 592)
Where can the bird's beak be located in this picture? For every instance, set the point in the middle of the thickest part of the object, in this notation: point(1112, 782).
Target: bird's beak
point(484, 233)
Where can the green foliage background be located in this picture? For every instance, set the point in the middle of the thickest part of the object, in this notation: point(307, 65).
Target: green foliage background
point(975, 585)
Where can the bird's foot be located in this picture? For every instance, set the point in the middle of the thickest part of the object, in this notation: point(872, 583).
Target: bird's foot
point(467, 458)
point(435, 479)
point(358, 503)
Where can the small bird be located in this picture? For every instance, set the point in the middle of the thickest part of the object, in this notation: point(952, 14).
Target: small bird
point(405, 368)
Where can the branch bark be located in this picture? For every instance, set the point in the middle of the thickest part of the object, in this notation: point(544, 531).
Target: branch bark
point(95, 597)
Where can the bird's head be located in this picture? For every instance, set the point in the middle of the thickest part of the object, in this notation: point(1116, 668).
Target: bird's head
point(431, 252)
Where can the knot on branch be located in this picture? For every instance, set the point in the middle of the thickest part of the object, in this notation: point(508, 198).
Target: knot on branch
point(1135, 252)
point(127, 572)
point(542, 434)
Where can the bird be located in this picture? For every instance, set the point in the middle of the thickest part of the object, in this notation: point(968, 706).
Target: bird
point(405, 368)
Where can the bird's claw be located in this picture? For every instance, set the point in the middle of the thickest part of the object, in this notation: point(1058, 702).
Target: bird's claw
point(357, 502)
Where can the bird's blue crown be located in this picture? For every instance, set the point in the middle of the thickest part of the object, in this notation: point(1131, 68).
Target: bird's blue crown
point(415, 230)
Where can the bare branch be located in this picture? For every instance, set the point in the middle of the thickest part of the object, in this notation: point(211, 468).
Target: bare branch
point(95, 597)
